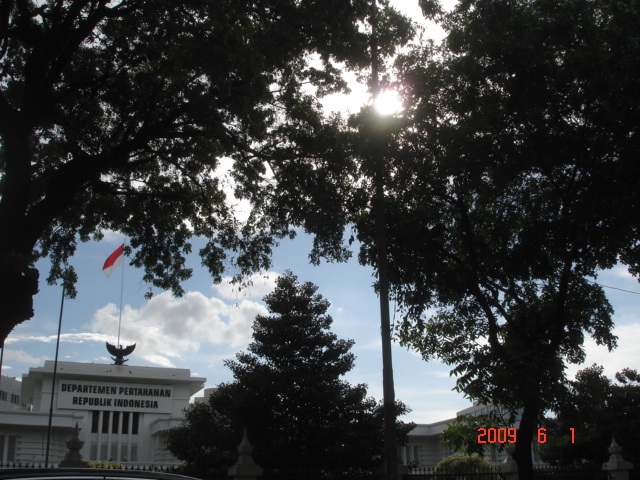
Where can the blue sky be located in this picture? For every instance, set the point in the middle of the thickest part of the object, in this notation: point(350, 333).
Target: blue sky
point(212, 323)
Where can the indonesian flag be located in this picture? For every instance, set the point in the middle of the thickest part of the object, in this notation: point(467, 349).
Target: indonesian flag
point(114, 260)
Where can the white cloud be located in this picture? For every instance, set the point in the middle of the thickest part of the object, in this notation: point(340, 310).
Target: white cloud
point(442, 374)
point(168, 327)
point(22, 357)
point(625, 356)
point(65, 337)
point(111, 236)
point(372, 345)
point(241, 207)
point(258, 285)
point(159, 360)
point(622, 271)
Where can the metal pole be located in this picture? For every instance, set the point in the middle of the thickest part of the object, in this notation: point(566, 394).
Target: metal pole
point(53, 380)
point(390, 440)
point(1, 360)
point(121, 294)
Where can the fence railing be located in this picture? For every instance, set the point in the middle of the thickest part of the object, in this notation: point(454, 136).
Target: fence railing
point(317, 474)
point(245, 469)
point(430, 473)
point(137, 467)
point(549, 473)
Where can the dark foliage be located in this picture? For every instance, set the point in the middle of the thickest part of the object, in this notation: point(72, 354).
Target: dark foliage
point(289, 395)
point(115, 115)
point(511, 181)
point(598, 409)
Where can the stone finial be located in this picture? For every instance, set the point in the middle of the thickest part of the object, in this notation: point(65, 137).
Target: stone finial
point(73, 458)
point(245, 448)
point(614, 449)
point(616, 461)
point(245, 468)
point(509, 467)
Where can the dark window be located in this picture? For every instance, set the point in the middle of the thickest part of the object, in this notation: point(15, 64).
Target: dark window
point(105, 422)
point(11, 452)
point(114, 422)
point(125, 422)
point(95, 421)
point(136, 420)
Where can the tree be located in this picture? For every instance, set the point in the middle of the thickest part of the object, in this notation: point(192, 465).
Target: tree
point(595, 410)
point(506, 192)
point(289, 395)
point(192, 443)
point(462, 434)
point(114, 115)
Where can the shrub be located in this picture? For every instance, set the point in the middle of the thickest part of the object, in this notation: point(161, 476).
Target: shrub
point(104, 464)
point(467, 464)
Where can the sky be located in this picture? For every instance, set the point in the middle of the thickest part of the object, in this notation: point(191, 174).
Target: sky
point(211, 323)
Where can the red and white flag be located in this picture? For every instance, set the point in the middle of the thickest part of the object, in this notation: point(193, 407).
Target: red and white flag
point(114, 260)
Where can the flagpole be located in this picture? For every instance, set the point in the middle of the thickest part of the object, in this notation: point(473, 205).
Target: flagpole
point(53, 380)
point(113, 261)
point(1, 360)
point(121, 294)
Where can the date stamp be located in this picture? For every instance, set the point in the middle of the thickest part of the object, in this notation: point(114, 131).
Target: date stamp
point(508, 435)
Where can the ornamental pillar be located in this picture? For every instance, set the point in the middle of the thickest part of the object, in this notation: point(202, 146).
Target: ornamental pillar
point(245, 468)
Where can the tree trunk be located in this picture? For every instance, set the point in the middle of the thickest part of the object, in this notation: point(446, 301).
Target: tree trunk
point(525, 437)
point(18, 285)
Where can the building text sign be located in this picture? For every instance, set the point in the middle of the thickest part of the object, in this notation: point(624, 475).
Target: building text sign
point(124, 397)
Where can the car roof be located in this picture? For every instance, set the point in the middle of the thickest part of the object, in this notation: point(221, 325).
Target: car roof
point(86, 473)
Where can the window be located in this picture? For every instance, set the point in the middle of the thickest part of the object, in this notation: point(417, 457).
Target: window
point(95, 421)
point(8, 448)
point(125, 422)
point(136, 421)
point(3, 395)
point(115, 422)
point(11, 450)
point(119, 447)
point(105, 422)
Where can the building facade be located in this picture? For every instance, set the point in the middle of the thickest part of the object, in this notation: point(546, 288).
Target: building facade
point(10, 393)
point(123, 412)
point(425, 448)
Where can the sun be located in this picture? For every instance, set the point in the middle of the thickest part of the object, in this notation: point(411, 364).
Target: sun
point(388, 102)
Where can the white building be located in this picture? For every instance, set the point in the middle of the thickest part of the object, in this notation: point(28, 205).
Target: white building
point(425, 448)
point(123, 412)
point(10, 388)
point(9, 400)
